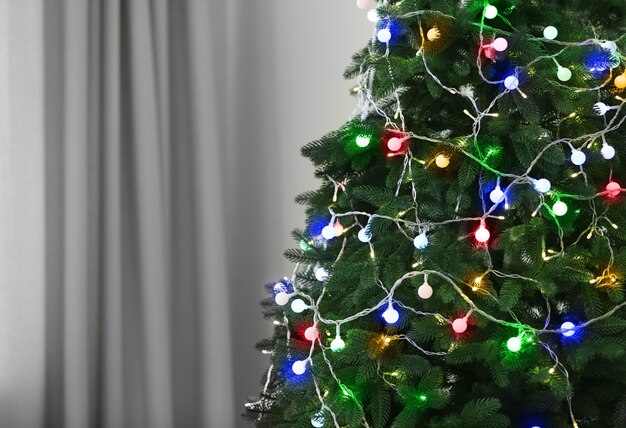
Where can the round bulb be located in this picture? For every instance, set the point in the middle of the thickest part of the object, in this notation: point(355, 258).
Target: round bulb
point(299, 367)
point(559, 208)
point(608, 152)
point(372, 16)
point(511, 83)
point(391, 316)
point(578, 157)
point(514, 344)
point(609, 45)
point(500, 44)
point(601, 108)
point(281, 298)
point(318, 420)
point(328, 232)
point(442, 161)
point(338, 229)
point(298, 306)
point(496, 195)
point(568, 329)
point(384, 35)
point(364, 235)
point(620, 82)
point(363, 140)
point(321, 274)
point(482, 234)
point(564, 74)
point(362, 4)
point(550, 32)
point(337, 344)
point(425, 291)
point(433, 34)
point(421, 241)
point(543, 185)
point(491, 12)
point(394, 144)
point(459, 325)
point(311, 333)
point(613, 189)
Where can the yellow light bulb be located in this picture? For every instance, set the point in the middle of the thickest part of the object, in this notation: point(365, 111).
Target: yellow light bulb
point(433, 34)
point(442, 161)
point(620, 81)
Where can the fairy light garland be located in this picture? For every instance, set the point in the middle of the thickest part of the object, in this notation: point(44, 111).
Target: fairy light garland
point(418, 231)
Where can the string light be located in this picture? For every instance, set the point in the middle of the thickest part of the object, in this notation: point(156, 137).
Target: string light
point(550, 32)
point(425, 291)
point(564, 74)
point(421, 241)
point(433, 34)
point(613, 189)
point(442, 161)
point(578, 157)
point(620, 81)
point(311, 333)
point(372, 16)
point(542, 185)
point(321, 274)
point(601, 108)
point(337, 345)
point(511, 83)
point(497, 195)
point(482, 234)
point(299, 367)
point(281, 298)
point(500, 44)
point(328, 232)
point(459, 325)
point(394, 144)
point(391, 316)
point(318, 420)
point(559, 208)
point(363, 140)
point(568, 329)
point(514, 344)
point(298, 306)
point(364, 235)
point(384, 35)
point(363, 4)
point(491, 12)
point(608, 152)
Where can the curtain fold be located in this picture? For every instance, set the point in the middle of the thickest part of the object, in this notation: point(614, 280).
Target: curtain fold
point(137, 297)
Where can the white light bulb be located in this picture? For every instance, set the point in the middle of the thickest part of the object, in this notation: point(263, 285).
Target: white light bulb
point(550, 32)
point(609, 45)
point(391, 316)
point(425, 291)
point(459, 325)
point(491, 12)
point(568, 329)
point(559, 208)
point(564, 74)
point(421, 241)
point(364, 235)
point(511, 83)
point(362, 141)
point(384, 35)
point(608, 152)
point(543, 185)
point(318, 420)
point(321, 274)
point(281, 298)
point(482, 234)
point(372, 16)
point(328, 232)
point(578, 157)
point(496, 195)
point(298, 306)
point(362, 4)
point(601, 108)
point(500, 44)
point(299, 367)
point(337, 344)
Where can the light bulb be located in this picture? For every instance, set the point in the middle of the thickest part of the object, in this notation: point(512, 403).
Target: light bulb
point(421, 241)
point(550, 32)
point(328, 232)
point(298, 306)
point(601, 109)
point(514, 344)
point(363, 140)
point(433, 34)
point(372, 16)
point(459, 325)
point(391, 316)
point(384, 35)
point(362, 4)
point(496, 195)
point(578, 157)
point(321, 274)
point(564, 74)
point(609, 45)
point(608, 152)
point(425, 291)
point(491, 12)
point(500, 44)
point(299, 367)
point(542, 185)
point(281, 298)
point(337, 344)
point(620, 81)
point(318, 420)
point(311, 333)
point(613, 189)
point(568, 329)
point(482, 234)
point(511, 83)
point(442, 161)
point(338, 229)
point(559, 208)
point(394, 144)
point(364, 235)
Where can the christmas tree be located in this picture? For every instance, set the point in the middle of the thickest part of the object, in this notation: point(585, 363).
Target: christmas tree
point(463, 261)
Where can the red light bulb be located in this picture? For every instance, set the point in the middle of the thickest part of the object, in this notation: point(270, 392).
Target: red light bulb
point(482, 234)
point(459, 325)
point(613, 189)
point(311, 333)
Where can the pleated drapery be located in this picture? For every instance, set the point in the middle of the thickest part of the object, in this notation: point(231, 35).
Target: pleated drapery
point(135, 218)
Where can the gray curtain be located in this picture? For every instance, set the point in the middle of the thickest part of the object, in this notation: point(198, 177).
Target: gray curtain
point(137, 332)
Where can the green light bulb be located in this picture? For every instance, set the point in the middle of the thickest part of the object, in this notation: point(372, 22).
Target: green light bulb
point(514, 344)
point(363, 140)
